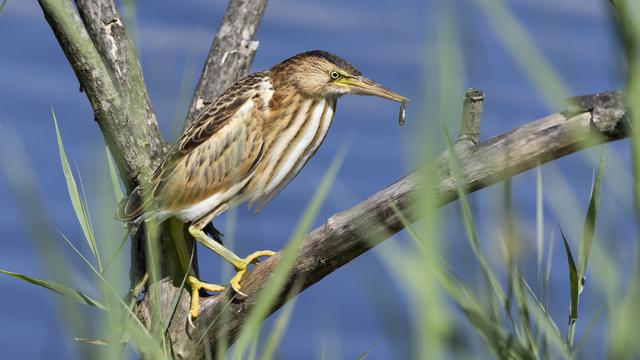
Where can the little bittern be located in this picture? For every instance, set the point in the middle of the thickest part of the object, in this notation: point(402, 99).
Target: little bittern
point(246, 146)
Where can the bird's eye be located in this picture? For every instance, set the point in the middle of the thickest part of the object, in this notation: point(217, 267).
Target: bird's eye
point(334, 75)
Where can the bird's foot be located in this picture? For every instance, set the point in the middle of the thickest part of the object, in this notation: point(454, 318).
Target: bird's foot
point(196, 285)
point(241, 268)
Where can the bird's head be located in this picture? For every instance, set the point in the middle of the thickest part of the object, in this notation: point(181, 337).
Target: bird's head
point(322, 74)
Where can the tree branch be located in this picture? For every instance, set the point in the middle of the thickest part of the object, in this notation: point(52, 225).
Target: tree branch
point(128, 138)
point(590, 120)
point(106, 29)
point(471, 116)
point(231, 53)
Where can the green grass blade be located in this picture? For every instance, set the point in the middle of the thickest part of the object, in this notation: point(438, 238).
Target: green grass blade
point(144, 339)
point(365, 354)
point(544, 321)
point(516, 39)
point(273, 287)
point(539, 226)
point(273, 341)
point(595, 319)
point(547, 271)
point(470, 227)
point(58, 288)
point(573, 290)
point(176, 301)
point(97, 342)
point(2, 5)
point(525, 319)
point(116, 252)
point(85, 209)
point(590, 223)
point(74, 195)
point(253, 346)
point(113, 173)
point(495, 336)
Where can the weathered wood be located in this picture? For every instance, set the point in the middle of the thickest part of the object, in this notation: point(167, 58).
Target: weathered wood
point(231, 53)
point(471, 116)
point(107, 32)
point(591, 120)
point(130, 141)
point(117, 52)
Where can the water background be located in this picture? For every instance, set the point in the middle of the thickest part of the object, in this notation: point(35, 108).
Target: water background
point(389, 41)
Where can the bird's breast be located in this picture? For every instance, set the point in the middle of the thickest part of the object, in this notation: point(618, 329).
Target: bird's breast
point(297, 140)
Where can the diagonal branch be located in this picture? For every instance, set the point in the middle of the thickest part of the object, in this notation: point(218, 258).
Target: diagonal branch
point(231, 53)
point(107, 31)
point(590, 120)
point(129, 139)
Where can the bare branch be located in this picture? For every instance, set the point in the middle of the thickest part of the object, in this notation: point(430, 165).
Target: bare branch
point(106, 29)
point(130, 141)
point(350, 233)
point(471, 116)
point(231, 53)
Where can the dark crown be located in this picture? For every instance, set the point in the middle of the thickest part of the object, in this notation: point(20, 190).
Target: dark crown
point(332, 58)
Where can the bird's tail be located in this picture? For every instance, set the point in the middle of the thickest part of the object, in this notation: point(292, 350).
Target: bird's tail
point(131, 207)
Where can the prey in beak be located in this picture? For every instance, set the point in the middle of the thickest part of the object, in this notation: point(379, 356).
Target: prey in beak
point(360, 85)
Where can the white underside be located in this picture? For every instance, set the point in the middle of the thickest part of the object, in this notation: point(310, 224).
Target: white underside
point(217, 201)
point(302, 150)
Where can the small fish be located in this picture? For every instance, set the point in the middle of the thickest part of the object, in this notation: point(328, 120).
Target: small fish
point(403, 113)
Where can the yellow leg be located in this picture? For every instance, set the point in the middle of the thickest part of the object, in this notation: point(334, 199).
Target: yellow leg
point(196, 285)
point(239, 264)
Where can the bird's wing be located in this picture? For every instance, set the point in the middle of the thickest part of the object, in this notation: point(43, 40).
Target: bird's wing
point(221, 148)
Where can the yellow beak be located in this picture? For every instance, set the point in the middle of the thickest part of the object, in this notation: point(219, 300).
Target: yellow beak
point(360, 85)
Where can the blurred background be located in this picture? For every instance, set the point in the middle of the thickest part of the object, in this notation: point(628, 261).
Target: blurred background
point(397, 43)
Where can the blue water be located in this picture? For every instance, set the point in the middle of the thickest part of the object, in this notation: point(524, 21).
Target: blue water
point(389, 41)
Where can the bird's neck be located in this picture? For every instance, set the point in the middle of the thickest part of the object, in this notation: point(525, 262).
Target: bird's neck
point(295, 130)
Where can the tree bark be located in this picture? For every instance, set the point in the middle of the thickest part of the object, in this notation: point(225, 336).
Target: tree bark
point(231, 53)
point(132, 142)
point(106, 65)
point(106, 29)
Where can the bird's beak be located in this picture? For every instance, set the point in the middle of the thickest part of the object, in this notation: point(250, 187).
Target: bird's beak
point(362, 86)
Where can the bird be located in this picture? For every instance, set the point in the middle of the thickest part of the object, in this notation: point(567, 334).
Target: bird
point(245, 147)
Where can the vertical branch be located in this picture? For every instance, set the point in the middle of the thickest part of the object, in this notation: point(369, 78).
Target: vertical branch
point(106, 29)
point(231, 53)
point(122, 133)
point(471, 116)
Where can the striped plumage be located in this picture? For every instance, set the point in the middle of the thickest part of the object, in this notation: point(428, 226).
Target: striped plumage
point(250, 142)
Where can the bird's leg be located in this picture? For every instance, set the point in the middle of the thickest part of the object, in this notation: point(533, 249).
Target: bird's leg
point(238, 263)
point(176, 228)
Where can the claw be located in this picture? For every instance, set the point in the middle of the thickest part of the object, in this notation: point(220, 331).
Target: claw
point(196, 285)
point(241, 268)
point(190, 322)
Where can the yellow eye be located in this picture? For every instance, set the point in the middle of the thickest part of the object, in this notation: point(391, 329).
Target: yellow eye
point(334, 75)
